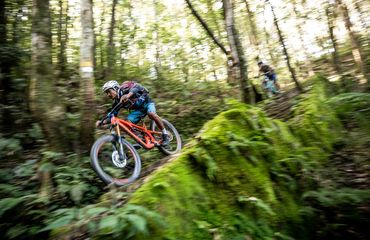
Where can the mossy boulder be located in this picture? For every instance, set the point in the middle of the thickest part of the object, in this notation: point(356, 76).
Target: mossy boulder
point(242, 178)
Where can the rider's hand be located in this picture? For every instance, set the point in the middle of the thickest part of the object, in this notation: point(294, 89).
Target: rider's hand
point(125, 97)
point(100, 124)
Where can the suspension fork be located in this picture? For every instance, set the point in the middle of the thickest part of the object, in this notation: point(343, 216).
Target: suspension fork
point(122, 155)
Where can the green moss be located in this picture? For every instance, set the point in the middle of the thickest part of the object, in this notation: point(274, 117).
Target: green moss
point(242, 177)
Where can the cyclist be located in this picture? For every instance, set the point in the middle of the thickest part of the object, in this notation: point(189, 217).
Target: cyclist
point(268, 72)
point(140, 104)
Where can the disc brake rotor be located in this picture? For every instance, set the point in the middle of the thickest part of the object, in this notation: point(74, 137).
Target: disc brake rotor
point(116, 161)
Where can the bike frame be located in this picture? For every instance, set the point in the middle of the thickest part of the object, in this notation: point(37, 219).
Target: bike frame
point(150, 141)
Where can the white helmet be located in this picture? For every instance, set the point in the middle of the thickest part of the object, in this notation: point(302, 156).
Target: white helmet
point(110, 84)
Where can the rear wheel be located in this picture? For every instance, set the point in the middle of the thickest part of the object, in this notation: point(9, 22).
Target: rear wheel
point(110, 166)
point(175, 144)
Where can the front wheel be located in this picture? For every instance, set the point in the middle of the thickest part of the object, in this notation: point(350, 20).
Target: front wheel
point(113, 164)
point(174, 145)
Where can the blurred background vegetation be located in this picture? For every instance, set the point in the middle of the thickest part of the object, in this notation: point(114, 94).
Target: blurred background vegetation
point(193, 56)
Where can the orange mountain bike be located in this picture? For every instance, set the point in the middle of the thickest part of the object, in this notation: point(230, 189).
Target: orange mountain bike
point(117, 161)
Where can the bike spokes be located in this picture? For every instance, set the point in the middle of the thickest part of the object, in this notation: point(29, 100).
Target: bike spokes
point(174, 143)
point(115, 162)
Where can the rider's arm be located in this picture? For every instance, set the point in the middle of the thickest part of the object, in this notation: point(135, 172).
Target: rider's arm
point(126, 97)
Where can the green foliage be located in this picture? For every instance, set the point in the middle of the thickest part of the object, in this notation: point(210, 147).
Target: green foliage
point(342, 212)
point(353, 107)
point(9, 146)
point(313, 118)
point(338, 197)
point(105, 222)
point(265, 163)
point(26, 213)
point(35, 132)
point(8, 203)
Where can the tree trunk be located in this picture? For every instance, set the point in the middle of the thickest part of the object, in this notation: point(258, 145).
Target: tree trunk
point(330, 16)
point(364, 15)
point(237, 53)
point(285, 51)
point(301, 34)
point(253, 36)
point(100, 64)
point(62, 39)
point(205, 26)
point(231, 70)
point(5, 68)
point(218, 90)
point(87, 77)
point(156, 42)
point(111, 58)
point(214, 18)
point(357, 53)
point(44, 104)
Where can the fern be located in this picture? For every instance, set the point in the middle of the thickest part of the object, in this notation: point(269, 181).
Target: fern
point(9, 203)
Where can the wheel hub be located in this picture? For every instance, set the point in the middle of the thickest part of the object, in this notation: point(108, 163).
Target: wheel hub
point(116, 161)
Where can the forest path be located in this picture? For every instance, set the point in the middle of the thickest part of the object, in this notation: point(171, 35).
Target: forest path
point(280, 106)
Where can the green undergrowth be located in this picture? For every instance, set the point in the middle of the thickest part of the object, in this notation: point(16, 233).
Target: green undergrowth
point(244, 174)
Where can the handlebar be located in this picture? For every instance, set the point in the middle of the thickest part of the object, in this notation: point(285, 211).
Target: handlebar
point(116, 108)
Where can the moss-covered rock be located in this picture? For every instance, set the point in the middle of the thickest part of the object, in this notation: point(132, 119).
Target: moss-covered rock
point(243, 176)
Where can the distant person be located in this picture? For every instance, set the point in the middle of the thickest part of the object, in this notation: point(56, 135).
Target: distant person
point(134, 97)
point(268, 72)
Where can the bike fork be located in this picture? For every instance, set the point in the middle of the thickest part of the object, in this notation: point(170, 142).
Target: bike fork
point(122, 155)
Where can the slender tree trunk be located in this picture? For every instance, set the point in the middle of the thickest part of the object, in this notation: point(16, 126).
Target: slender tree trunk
point(330, 16)
point(356, 48)
point(100, 64)
point(269, 44)
point(231, 70)
point(5, 68)
point(237, 53)
point(131, 34)
point(219, 93)
point(364, 15)
point(87, 76)
point(158, 64)
point(62, 38)
point(111, 58)
point(253, 36)
point(285, 51)
point(299, 23)
point(205, 26)
point(214, 18)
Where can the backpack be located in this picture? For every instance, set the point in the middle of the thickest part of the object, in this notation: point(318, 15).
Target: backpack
point(127, 85)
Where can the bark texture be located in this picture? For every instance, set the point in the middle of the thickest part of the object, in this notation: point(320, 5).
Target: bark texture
point(87, 76)
point(237, 53)
point(285, 51)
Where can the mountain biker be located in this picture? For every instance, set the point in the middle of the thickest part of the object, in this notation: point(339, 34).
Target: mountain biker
point(268, 72)
point(134, 97)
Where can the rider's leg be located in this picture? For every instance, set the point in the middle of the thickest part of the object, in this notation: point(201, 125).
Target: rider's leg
point(274, 79)
point(135, 116)
point(153, 115)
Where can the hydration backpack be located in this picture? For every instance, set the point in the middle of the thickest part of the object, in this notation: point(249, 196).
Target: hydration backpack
point(127, 85)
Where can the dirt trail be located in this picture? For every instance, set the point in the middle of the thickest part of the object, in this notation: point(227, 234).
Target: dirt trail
point(281, 105)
